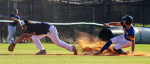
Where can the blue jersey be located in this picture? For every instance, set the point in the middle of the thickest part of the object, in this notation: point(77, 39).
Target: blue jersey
point(12, 16)
point(129, 33)
point(38, 28)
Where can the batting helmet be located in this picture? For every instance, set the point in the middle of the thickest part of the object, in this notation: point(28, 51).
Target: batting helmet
point(128, 19)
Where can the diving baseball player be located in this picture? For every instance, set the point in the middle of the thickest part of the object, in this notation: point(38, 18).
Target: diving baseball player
point(40, 30)
point(122, 41)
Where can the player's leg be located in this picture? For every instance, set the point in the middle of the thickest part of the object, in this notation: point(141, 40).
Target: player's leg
point(114, 40)
point(54, 37)
point(118, 47)
point(13, 32)
point(38, 44)
point(109, 42)
point(106, 46)
point(118, 40)
point(10, 33)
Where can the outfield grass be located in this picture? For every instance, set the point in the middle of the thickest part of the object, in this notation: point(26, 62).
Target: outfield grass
point(20, 49)
point(138, 24)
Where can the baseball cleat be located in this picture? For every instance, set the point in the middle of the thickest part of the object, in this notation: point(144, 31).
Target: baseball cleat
point(97, 53)
point(89, 53)
point(128, 52)
point(74, 49)
point(125, 53)
point(42, 52)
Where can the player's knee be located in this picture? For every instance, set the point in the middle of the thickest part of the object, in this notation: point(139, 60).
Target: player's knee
point(109, 41)
point(114, 49)
point(11, 35)
point(129, 44)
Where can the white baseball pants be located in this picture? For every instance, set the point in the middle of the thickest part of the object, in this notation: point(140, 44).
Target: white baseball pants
point(11, 31)
point(54, 37)
point(120, 42)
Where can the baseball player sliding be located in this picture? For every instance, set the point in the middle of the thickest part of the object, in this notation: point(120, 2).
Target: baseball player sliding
point(40, 30)
point(121, 41)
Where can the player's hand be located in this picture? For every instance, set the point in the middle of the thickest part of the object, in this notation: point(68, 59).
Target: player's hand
point(105, 25)
point(15, 19)
point(25, 41)
point(22, 28)
point(11, 47)
point(132, 53)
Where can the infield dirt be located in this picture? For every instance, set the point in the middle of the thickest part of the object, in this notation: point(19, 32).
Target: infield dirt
point(87, 43)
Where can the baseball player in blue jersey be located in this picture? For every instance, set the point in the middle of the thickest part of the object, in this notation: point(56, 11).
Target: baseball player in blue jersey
point(12, 26)
point(121, 41)
point(38, 31)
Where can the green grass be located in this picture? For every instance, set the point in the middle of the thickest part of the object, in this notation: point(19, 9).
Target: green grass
point(138, 24)
point(30, 48)
point(140, 47)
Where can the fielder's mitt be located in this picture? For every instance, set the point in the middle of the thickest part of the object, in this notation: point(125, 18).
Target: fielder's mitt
point(11, 47)
point(16, 21)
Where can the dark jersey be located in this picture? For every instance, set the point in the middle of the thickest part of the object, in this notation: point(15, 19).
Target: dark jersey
point(38, 28)
point(12, 16)
point(129, 32)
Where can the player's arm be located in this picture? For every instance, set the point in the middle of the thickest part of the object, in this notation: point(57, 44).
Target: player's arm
point(21, 37)
point(111, 24)
point(13, 18)
point(19, 23)
point(133, 45)
point(28, 38)
point(133, 42)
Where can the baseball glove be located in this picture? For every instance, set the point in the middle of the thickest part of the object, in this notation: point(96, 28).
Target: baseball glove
point(11, 47)
point(16, 21)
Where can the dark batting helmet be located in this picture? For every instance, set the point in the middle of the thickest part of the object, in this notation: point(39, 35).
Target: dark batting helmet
point(128, 19)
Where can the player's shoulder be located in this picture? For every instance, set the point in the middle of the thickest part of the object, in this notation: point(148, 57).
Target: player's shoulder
point(12, 15)
point(122, 23)
point(132, 29)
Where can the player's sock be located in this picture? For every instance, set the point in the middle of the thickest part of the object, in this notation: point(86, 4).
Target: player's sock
point(106, 46)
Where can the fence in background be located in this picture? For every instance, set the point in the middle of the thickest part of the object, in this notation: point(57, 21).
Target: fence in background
point(69, 35)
